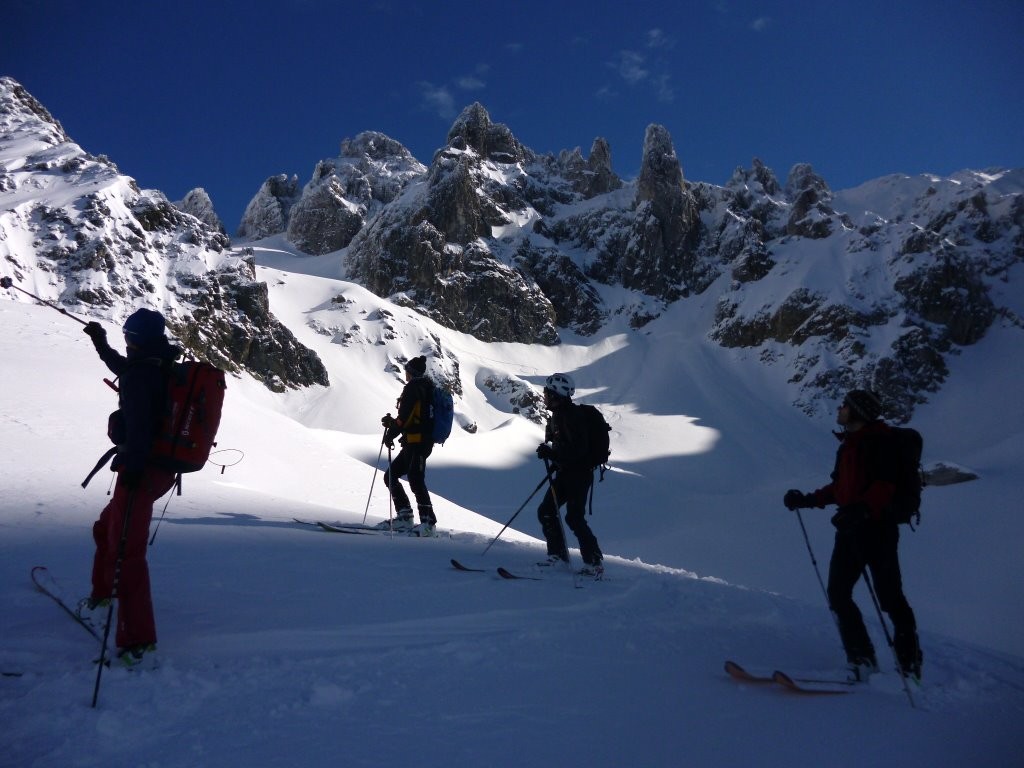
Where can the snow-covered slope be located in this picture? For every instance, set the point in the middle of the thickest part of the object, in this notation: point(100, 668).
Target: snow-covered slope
point(284, 645)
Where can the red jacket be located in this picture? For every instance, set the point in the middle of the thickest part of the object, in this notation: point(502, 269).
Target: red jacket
point(863, 472)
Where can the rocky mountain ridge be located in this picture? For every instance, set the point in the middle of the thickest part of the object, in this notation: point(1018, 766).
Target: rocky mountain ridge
point(508, 245)
point(76, 232)
point(873, 286)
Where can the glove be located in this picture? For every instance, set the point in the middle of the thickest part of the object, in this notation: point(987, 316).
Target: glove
point(546, 452)
point(795, 499)
point(95, 331)
point(388, 421)
point(131, 478)
point(850, 517)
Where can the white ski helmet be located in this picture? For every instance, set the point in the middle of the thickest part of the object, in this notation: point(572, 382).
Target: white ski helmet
point(561, 384)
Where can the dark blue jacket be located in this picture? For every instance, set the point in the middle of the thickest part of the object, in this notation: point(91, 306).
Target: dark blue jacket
point(142, 399)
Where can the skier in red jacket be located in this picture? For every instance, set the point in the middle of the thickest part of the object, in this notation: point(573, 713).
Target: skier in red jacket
point(863, 485)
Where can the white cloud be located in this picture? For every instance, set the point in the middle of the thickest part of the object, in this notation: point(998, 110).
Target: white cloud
point(635, 68)
point(437, 99)
point(470, 83)
point(657, 38)
point(761, 23)
point(630, 66)
point(663, 87)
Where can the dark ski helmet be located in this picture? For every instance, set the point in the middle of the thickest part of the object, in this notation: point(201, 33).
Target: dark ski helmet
point(864, 404)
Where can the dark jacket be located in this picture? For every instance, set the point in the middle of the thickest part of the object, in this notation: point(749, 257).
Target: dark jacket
point(864, 471)
point(142, 397)
point(568, 436)
point(415, 414)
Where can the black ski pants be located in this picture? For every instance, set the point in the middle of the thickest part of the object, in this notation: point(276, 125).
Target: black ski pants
point(873, 545)
point(411, 461)
point(569, 487)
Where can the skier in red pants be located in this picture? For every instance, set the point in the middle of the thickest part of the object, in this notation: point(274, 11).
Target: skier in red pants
point(143, 374)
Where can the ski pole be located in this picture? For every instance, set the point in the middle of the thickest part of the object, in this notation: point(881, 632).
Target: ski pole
point(540, 485)
point(177, 484)
point(374, 480)
point(113, 594)
point(888, 637)
point(6, 282)
point(817, 572)
point(391, 498)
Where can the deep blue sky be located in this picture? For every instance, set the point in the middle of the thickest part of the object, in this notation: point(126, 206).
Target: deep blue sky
point(224, 94)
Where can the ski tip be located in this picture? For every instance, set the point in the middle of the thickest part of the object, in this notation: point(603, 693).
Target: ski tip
point(787, 682)
point(460, 567)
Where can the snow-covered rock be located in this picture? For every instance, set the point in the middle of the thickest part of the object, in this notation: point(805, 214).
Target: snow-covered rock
point(198, 203)
point(76, 232)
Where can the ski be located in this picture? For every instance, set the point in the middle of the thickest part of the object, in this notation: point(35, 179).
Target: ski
point(460, 567)
point(356, 529)
point(353, 529)
point(506, 574)
point(781, 678)
point(46, 584)
point(339, 527)
point(736, 672)
point(777, 678)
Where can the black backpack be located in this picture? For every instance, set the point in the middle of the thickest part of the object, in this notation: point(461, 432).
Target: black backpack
point(906, 446)
point(598, 437)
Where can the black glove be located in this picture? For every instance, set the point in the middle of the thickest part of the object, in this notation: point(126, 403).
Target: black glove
point(546, 452)
point(131, 478)
point(388, 421)
point(795, 499)
point(95, 331)
point(850, 517)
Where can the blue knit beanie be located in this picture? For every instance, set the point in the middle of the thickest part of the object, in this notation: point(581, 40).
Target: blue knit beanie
point(143, 327)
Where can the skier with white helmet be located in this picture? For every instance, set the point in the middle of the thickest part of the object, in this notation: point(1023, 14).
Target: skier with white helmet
point(566, 447)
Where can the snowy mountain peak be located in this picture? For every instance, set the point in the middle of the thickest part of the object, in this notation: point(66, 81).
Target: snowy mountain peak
point(77, 232)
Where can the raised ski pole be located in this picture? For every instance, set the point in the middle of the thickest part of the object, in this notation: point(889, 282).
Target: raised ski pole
point(888, 637)
point(113, 595)
point(6, 282)
point(374, 480)
point(817, 572)
point(522, 506)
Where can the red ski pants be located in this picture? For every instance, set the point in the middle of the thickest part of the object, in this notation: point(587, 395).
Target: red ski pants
point(135, 623)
